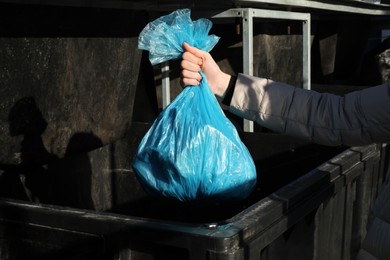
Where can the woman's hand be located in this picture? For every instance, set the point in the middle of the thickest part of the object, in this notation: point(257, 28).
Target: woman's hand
point(193, 61)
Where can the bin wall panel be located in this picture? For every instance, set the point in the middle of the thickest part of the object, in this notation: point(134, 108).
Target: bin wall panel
point(365, 196)
point(330, 226)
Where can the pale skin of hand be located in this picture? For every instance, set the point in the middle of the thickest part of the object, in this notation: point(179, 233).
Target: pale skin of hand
point(193, 61)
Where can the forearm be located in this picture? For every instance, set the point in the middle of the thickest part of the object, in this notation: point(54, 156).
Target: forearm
point(354, 119)
point(254, 99)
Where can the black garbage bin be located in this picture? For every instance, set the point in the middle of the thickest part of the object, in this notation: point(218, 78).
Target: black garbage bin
point(311, 203)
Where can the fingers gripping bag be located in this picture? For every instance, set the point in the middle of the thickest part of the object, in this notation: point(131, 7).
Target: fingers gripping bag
point(192, 152)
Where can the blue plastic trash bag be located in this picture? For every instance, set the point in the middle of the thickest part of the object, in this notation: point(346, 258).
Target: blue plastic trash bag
point(192, 152)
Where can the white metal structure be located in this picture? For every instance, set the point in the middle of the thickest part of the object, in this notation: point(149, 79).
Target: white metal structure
point(248, 15)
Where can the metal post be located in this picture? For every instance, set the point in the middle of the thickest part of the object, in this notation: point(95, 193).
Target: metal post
point(306, 57)
point(247, 45)
point(165, 84)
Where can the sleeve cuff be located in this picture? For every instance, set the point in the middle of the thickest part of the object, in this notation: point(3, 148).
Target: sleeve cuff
point(230, 90)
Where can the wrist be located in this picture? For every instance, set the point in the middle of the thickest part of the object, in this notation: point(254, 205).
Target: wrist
point(222, 85)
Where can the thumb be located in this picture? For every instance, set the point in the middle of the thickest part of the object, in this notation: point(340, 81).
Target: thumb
point(195, 51)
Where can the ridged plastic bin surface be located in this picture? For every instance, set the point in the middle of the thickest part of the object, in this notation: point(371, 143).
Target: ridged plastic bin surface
point(321, 215)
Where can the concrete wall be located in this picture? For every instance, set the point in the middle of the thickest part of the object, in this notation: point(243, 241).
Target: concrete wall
point(65, 72)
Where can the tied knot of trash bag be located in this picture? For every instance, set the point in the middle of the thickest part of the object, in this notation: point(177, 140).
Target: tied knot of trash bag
point(164, 37)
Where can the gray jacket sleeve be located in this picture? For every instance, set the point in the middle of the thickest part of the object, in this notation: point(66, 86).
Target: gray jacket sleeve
point(357, 118)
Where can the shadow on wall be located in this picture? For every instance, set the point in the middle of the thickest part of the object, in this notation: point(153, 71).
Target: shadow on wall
point(36, 178)
point(72, 178)
point(29, 180)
